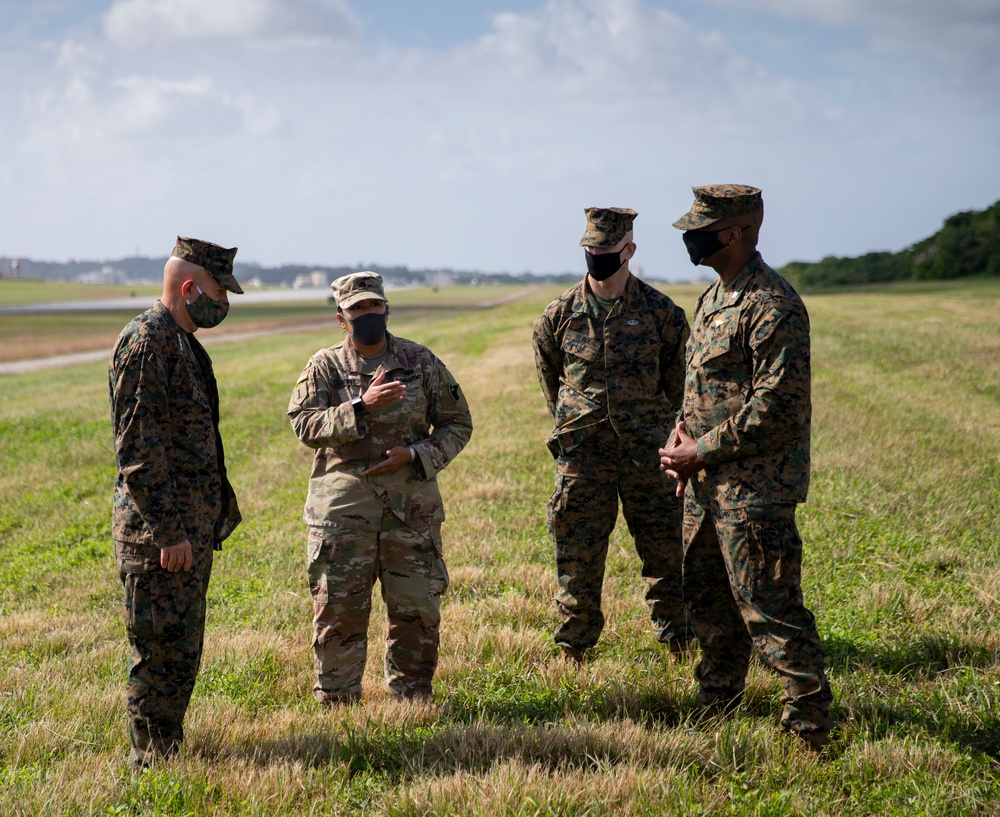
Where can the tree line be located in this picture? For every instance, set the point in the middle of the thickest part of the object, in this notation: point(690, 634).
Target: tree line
point(967, 245)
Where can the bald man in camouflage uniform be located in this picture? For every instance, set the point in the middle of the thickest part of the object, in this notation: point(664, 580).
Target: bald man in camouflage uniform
point(610, 358)
point(742, 447)
point(173, 503)
point(385, 417)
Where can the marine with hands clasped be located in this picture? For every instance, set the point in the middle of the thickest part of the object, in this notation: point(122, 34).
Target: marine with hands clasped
point(741, 448)
point(173, 504)
point(384, 415)
point(610, 358)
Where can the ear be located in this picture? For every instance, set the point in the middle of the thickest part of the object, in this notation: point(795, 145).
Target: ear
point(187, 287)
point(630, 249)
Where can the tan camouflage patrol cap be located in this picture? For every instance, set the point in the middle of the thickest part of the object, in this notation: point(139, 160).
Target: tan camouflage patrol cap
point(606, 226)
point(714, 202)
point(215, 260)
point(358, 286)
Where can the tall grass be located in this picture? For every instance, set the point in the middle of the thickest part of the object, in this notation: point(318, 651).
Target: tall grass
point(902, 570)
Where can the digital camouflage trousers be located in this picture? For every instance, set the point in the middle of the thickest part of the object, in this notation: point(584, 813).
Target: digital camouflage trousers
point(742, 582)
point(165, 623)
point(582, 513)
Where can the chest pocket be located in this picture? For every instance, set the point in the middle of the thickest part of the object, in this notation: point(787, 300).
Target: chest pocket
point(412, 409)
point(581, 361)
point(581, 345)
point(719, 345)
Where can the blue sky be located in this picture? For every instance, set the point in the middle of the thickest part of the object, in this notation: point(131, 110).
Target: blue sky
point(472, 135)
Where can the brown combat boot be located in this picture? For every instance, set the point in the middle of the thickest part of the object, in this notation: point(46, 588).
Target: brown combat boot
point(336, 698)
point(816, 741)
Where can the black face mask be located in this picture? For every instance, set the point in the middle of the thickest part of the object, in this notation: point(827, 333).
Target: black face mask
point(701, 246)
point(603, 266)
point(369, 329)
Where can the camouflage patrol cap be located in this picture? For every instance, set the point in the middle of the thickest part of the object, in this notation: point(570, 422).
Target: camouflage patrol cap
point(714, 202)
point(606, 226)
point(358, 286)
point(215, 260)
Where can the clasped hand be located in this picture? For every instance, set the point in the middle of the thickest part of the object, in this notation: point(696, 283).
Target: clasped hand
point(680, 458)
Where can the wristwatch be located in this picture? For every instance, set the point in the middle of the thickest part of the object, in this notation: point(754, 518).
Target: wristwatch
point(359, 406)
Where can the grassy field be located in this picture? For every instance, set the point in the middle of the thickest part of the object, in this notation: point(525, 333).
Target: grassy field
point(15, 292)
point(37, 335)
point(902, 569)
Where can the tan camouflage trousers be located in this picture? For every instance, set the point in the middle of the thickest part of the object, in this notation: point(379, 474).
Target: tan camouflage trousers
point(742, 581)
point(165, 623)
point(343, 567)
point(582, 513)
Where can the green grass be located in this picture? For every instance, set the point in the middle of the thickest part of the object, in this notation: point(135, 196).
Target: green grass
point(43, 334)
point(902, 569)
point(32, 291)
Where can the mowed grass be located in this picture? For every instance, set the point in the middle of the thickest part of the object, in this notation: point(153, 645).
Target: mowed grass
point(42, 334)
point(902, 570)
point(20, 291)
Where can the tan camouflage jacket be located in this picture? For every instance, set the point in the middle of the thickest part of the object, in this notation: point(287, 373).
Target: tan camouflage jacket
point(747, 392)
point(434, 418)
point(626, 368)
point(171, 483)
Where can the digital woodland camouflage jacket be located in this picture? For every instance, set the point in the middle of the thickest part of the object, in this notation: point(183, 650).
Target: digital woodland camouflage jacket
point(626, 368)
point(433, 417)
point(747, 391)
point(171, 483)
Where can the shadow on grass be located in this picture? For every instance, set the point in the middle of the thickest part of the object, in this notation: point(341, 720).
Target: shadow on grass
point(477, 728)
point(915, 659)
point(965, 714)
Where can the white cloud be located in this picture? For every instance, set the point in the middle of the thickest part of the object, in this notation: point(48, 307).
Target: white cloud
point(963, 35)
point(135, 24)
point(482, 155)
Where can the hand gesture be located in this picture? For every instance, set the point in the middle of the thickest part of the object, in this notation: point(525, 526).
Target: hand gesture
point(395, 459)
point(380, 395)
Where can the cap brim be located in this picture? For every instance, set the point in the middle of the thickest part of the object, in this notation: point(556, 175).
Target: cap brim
point(230, 283)
point(694, 221)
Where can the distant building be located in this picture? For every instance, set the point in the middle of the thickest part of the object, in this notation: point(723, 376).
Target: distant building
point(441, 278)
point(316, 279)
point(105, 275)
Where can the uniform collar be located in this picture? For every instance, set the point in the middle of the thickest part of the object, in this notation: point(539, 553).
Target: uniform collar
point(391, 361)
point(632, 299)
point(161, 311)
point(725, 297)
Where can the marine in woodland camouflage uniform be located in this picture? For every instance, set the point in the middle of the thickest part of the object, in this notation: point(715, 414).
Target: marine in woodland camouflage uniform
point(385, 416)
point(173, 503)
point(610, 358)
point(742, 445)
